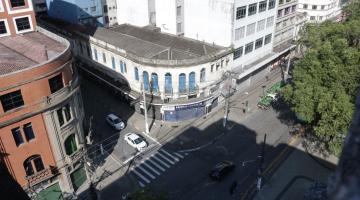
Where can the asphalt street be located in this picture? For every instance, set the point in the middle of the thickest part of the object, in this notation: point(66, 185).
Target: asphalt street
point(177, 171)
point(98, 103)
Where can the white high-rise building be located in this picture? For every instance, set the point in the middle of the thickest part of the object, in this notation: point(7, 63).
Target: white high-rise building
point(319, 10)
point(246, 25)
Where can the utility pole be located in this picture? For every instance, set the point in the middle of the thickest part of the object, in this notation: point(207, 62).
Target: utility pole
point(261, 160)
point(145, 108)
point(227, 98)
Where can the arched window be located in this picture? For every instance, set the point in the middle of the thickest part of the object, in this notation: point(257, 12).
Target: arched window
point(202, 75)
point(168, 83)
point(70, 145)
point(136, 71)
point(154, 83)
point(95, 54)
point(182, 83)
point(146, 81)
point(121, 66)
point(192, 83)
point(33, 164)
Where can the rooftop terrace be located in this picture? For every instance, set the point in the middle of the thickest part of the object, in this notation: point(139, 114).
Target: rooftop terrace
point(27, 50)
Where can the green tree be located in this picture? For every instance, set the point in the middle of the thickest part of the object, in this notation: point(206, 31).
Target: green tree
point(326, 79)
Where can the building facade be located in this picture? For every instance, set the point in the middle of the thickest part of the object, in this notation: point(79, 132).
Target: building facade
point(16, 17)
point(286, 22)
point(181, 77)
point(41, 114)
point(110, 14)
point(320, 10)
point(77, 11)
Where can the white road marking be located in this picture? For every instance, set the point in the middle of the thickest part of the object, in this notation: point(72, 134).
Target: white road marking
point(158, 159)
point(179, 155)
point(151, 138)
point(154, 163)
point(167, 159)
point(132, 157)
point(148, 166)
point(141, 184)
point(146, 172)
point(167, 153)
point(140, 175)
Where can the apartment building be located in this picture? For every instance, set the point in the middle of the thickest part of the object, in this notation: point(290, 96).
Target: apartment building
point(110, 14)
point(41, 115)
point(320, 10)
point(286, 22)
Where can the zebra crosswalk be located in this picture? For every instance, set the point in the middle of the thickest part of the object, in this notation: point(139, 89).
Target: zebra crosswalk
point(153, 166)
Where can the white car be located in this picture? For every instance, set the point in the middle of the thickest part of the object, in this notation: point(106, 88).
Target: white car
point(135, 141)
point(115, 122)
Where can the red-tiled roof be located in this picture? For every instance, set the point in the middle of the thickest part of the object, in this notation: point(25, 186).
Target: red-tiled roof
point(23, 51)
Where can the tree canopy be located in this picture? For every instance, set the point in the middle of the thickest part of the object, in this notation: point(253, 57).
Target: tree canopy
point(326, 78)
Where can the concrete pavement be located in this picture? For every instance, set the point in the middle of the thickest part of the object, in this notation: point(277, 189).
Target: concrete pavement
point(296, 174)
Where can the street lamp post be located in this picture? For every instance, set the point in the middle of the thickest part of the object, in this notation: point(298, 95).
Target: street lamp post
point(145, 108)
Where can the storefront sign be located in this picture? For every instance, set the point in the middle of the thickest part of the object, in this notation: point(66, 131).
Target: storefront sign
point(189, 106)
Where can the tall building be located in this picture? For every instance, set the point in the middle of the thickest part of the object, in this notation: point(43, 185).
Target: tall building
point(41, 115)
point(110, 14)
point(286, 22)
point(320, 10)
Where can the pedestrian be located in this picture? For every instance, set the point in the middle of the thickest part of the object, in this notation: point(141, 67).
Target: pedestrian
point(233, 187)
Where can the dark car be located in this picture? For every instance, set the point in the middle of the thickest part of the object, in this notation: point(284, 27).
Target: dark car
point(221, 170)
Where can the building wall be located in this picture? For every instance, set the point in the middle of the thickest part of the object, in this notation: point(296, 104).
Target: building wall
point(135, 12)
point(210, 77)
point(110, 16)
point(319, 10)
point(166, 15)
point(9, 14)
point(16, 155)
point(77, 11)
point(285, 22)
point(33, 82)
point(269, 16)
point(209, 20)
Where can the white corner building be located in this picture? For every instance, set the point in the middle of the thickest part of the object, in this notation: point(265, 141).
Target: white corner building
point(320, 10)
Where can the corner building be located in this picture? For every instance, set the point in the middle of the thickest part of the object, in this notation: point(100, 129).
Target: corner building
point(181, 77)
point(41, 115)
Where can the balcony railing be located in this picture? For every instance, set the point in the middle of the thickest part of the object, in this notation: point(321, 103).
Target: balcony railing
point(41, 175)
point(75, 156)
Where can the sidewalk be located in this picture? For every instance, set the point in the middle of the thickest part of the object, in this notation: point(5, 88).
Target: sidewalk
point(295, 175)
point(166, 131)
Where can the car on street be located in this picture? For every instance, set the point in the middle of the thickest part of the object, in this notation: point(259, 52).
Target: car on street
point(115, 122)
point(221, 169)
point(135, 141)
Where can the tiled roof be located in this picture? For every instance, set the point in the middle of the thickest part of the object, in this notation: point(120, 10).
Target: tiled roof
point(23, 51)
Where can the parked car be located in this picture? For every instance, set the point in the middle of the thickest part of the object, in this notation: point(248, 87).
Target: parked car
point(221, 170)
point(135, 141)
point(115, 122)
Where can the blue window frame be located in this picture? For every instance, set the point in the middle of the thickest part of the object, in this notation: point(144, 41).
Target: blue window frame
point(95, 54)
point(121, 66)
point(146, 81)
point(182, 83)
point(136, 71)
point(168, 83)
point(192, 83)
point(202, 75)
point(113, 62)
point(154, 83)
